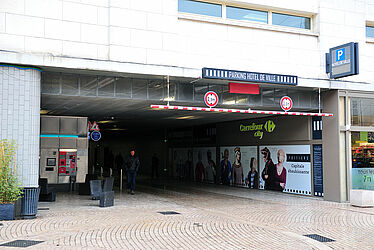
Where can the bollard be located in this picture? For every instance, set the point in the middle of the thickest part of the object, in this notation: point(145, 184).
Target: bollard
point(120, 182)
point(110, 172)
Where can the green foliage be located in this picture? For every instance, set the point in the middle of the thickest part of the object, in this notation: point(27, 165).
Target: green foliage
point(10, 187)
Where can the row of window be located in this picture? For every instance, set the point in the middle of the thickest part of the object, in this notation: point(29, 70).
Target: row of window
point(235, 13)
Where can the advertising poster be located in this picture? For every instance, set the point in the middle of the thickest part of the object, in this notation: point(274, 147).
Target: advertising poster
point(286, 168)
point(181, 163)
point(317, 170)
point(204, 164)
point(236, 164)
point(363, 178)
point(362, 160)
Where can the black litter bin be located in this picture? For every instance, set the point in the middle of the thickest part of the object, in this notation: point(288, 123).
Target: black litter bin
point(30, 202)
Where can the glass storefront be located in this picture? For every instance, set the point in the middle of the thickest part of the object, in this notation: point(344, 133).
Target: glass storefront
point(362, 144)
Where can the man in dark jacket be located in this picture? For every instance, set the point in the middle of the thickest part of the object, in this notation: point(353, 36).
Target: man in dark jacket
point(132, 166)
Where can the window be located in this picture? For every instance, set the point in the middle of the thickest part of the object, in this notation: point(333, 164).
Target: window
point(370, 31)
point(246, 14)
point(291, 21)
point(195, 7)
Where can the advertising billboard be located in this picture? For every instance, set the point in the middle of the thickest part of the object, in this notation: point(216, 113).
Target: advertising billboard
point(286, 168)
point(204, 164)
point(181, 164)
point(236, 164)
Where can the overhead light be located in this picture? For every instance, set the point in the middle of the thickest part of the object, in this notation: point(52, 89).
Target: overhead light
point(229, 102)
point(44, 112)
point(116, 129)
point(105, 121)
point(68, 150)
point(186, 117)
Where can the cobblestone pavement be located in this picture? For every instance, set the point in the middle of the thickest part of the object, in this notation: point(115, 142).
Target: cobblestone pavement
point(210, 217)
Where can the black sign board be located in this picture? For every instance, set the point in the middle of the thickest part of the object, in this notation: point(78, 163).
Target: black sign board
point(244, 76)
point(317, 170)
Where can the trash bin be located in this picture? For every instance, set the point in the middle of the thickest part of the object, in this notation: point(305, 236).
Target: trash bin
point(30, 202)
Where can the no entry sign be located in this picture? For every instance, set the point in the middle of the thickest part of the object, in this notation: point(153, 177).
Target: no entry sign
point(211, 99)
point(286, 103)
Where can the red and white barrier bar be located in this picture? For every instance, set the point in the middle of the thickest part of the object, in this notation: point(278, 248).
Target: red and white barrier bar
point(244, 111)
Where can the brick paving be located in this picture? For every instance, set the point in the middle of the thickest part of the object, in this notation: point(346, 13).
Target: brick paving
point(211, 217)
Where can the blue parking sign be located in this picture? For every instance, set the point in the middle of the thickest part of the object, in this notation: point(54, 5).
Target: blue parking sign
point(340, 54)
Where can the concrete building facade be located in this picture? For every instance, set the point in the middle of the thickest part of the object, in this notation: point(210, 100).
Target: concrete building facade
point(168, 38)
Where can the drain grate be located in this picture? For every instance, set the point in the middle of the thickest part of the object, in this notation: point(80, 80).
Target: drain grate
point(21, 243)
point(168, 212)
point(198, 225)
point(43, 208)
point(319, 238)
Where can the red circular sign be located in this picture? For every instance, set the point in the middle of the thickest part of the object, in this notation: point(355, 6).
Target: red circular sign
point(211, 99)
point(286, 103)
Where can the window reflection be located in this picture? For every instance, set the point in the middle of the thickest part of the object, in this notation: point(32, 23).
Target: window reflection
point(196, 7)
point(246, 14)
point(291, 21)
point(370, 31)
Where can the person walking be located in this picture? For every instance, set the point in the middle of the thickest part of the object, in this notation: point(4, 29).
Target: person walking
point(132, 167)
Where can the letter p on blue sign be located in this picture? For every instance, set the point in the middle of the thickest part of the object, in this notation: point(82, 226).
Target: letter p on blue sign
point(340, 54)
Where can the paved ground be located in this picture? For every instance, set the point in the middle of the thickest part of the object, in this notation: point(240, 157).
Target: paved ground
point(210, 218)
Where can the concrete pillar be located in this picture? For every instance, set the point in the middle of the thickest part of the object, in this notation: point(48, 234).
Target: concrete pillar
point(334, 165)
point(20, 117)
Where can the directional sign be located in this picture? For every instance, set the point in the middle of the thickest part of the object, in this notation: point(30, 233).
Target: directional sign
point(211, 99)
point(286, 103)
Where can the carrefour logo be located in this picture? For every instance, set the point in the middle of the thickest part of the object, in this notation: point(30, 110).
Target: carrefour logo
point(268, 126)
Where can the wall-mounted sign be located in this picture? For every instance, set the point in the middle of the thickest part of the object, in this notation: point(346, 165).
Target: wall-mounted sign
point(286, 103)
point(342, 60)
point(226, 74)
point(95, 135)
point(258, 129)
point(211, 99)
point(93, 126)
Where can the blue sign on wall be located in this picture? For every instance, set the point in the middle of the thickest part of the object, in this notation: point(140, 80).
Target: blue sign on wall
point(244, 76)
point(95, 135)
point(340, 54)
point(342, 60)
point(317, 170)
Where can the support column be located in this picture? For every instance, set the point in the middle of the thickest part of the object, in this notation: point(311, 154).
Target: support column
point(20, 117)
point(333, 147)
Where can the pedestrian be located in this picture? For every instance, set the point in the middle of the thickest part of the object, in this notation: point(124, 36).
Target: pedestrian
point(132, 167)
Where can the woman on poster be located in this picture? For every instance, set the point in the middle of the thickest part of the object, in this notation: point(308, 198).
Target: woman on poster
point(237, 169)
point(281, 172)
point(268, 174)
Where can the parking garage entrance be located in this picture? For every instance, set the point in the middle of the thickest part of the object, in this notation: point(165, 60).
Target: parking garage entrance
point(227, 146)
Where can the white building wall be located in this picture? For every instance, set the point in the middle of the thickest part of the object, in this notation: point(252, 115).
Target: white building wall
point(151, 37)
point(20, 118)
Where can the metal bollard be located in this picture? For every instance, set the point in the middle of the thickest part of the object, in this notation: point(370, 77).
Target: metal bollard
point(120, 182)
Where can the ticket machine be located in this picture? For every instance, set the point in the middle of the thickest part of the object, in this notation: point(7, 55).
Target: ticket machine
point(67, 165)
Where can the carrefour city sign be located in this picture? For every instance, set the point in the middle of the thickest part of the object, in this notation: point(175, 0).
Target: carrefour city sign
point(258, 128)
